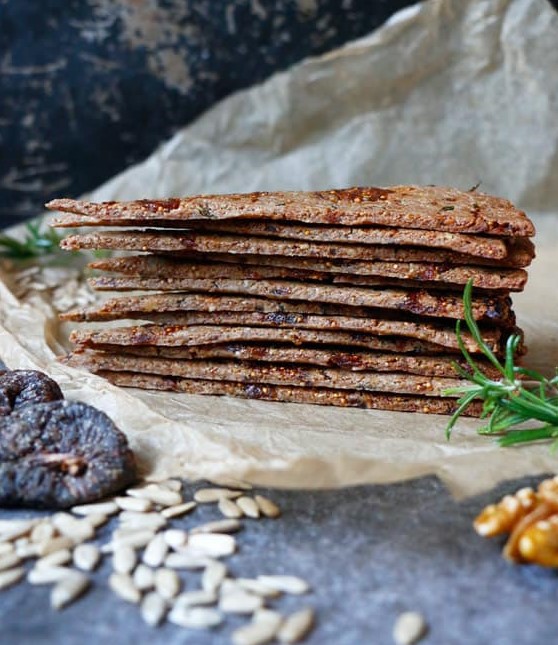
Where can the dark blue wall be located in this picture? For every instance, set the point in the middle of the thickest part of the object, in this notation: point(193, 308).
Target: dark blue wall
point(88, 87)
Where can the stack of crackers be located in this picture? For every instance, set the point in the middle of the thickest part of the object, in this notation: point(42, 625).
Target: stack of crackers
point(340, 297)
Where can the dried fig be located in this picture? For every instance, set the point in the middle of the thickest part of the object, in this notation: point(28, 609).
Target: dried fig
point(61, 453)
point(24, 387)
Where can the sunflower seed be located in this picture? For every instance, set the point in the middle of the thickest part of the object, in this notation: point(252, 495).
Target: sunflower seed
point(68, 589)
point(167, 583)
point(195, 598)
point(240, 602)
point(153, 609)
point(42, 532)
point(27, 550)
point(13, 529)
point(54, 559)
point(257, 587)
point(229, 482)
point(133, 520)
point(220, 526)
point(288, 584)
point(127, 531)
point(265, 615)
point(261, 630)
point(229, 508)
point(96, 519)
point(229, 585)
point(186, 560)
point(68, 526)
point(9, 561)
point(10, 577)
point(296, 626)
point(123, 586)
point(157, 495)
point(136, 539)
point(409, 628)
point(103, 508)
point(177, 511)
point(195, 617)
point(6, 547)
point(213, 576)
point(137, 504)
point(86, 557)
point(216, 545)
point(211, 495)
point(248, 506)
point(48, 575)
point(175, 538)
point(124, 559)
point(267, 507)
point(172, 484)
point(156, 551)
point(143, 577)
point(54, 544)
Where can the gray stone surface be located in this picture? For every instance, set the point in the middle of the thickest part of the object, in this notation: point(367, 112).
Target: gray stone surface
point(369, 552)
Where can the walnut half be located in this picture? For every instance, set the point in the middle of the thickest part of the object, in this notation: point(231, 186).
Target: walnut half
point(531, 519)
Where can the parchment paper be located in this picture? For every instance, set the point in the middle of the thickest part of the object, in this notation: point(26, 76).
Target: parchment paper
point(449, 92)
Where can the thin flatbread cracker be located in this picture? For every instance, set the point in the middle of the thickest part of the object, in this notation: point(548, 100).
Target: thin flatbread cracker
point(490, 248)
point(433, 208)
point(365, 295)
point(273, 374)
point(428, 365)
point(287, 394)
point(177, 336)
point(493, 309)
point(178, 242)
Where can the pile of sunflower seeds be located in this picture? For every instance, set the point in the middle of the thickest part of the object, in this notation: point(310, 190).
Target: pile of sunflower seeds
point(148, 553)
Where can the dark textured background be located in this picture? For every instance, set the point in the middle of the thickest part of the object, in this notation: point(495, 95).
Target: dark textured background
point(89, 87)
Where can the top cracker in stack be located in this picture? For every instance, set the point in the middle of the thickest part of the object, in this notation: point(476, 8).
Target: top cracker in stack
point(343, 297)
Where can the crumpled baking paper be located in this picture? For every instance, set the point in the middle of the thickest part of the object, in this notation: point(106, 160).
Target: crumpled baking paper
point(447, 92)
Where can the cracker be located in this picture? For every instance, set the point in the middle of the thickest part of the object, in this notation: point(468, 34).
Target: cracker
point(178, 242)
point(361, 291)
point(396, 331)
point(273, 374)
point(491, 248)
point(287, 394)
point(495, 309)
point(420, 207)
point(429, 365)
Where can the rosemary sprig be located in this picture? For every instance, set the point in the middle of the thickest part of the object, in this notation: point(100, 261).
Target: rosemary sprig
point(519, 396)
point(39, 240)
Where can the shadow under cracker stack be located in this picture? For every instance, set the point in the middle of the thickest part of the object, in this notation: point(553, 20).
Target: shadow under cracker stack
point(340, 297)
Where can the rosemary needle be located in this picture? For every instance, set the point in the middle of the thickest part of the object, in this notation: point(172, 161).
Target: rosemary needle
point(38, 241)
point(518, 397)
